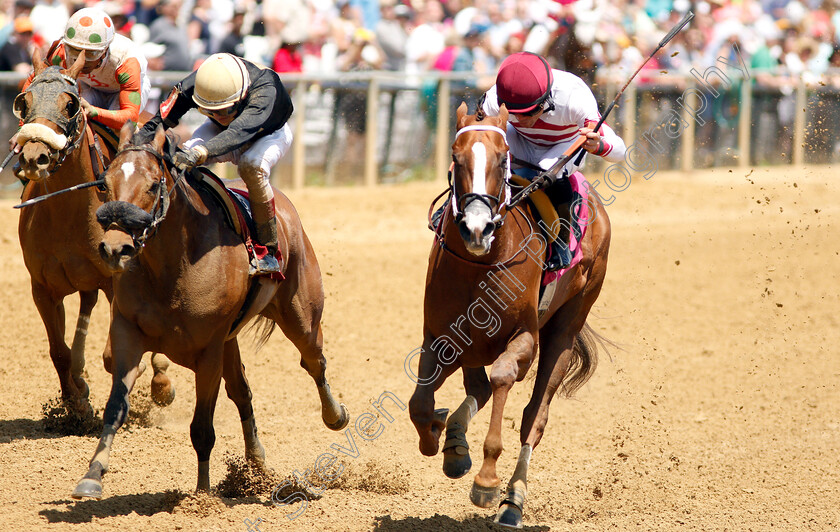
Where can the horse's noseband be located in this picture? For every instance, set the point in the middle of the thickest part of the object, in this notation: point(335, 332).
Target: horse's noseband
point(131, 219)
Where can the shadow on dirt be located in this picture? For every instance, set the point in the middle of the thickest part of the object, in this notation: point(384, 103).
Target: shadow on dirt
point(443, 523)
point(145, 504)
point(24, 429)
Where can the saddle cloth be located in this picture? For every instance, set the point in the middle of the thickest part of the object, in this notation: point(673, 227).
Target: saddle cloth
point(237, 211)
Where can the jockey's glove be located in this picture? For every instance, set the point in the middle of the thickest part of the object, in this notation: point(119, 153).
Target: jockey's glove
point(189, 159)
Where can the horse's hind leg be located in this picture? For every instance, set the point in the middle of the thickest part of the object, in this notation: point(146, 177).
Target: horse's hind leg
point(87, 300)
point(52, 314)
point(510, 367)
point(301, 323)
point(456, 451)
point(163, 391)
point(236, 386)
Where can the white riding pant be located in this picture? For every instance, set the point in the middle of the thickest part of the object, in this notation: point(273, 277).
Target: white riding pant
point(111, 100)
point(254, 160)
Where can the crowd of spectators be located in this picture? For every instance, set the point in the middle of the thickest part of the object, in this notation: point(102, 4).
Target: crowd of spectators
point(780, 41)
point(414, 36)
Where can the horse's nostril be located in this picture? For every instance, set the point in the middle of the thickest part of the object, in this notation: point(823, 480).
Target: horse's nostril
point(42, 160)
point(126, 250)
point(488, 230)
point(465, 233)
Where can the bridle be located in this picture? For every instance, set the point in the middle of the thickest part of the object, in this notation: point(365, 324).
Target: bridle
point(72, 127)
point(162, 201)
point(460, 202)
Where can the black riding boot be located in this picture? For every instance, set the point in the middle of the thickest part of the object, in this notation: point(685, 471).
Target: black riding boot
point(560, 194)
point(267, 234)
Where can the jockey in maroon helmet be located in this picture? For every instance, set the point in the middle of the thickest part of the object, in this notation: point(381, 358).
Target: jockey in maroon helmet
point(549, 109)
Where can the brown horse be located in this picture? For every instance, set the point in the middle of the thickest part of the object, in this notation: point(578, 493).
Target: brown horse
point(181, 286)
point(481, 308)
point(59, 236)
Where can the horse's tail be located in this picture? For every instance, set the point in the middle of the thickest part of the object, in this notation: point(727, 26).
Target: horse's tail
point(584, 360)
point(262, 327)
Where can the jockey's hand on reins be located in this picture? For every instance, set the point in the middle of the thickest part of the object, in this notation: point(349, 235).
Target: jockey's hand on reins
point(189, 159)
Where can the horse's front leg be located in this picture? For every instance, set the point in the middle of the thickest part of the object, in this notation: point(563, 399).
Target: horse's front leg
point(456, 450)
point(127, 340)
point(510, 367)
point(51, 310)
point(431, 374)
point(208, 379)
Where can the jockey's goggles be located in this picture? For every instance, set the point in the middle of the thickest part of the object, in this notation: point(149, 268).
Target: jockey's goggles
point(91, 56)
point(224, 112)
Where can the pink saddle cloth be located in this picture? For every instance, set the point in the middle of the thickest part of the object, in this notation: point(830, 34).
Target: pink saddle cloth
point(580, 187)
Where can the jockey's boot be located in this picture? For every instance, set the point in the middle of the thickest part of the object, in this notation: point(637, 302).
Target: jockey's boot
point(560, 256)
point(435, 221)
point(560, 194)
point(267, 235)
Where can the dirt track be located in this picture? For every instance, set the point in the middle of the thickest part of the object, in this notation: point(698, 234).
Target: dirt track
point(715, 414)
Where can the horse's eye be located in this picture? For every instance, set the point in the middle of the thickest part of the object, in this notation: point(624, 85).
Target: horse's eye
point(154, 188)
point(72, 107)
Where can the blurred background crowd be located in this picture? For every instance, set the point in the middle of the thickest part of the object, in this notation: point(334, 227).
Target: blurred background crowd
point(799, 37)
point(782, 42)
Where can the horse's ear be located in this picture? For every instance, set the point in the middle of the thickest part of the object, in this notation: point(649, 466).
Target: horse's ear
point(503, 115)
point(461, 114)
point(160, 139)
point(126, 132)
point(77, 67)
point(38, 62)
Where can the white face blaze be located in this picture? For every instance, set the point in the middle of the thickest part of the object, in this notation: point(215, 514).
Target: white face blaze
point(477, 215)
point(127, 170)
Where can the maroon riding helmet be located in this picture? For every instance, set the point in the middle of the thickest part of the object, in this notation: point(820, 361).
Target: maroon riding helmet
point(524, 82)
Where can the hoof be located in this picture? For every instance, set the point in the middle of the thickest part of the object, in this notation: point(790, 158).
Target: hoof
point(163, 391)
point(509, 516)
point(484, 497)
point(456, 452)
point(456, 465)
point(88, 488)
point(342, 422)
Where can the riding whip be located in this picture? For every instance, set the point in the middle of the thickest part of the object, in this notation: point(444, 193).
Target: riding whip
point(7, 159)
point(575, 148)
point(39, 199)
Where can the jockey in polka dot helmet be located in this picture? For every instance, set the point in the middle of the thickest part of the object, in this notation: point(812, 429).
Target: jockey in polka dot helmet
point(88, 29)
point(113, 82)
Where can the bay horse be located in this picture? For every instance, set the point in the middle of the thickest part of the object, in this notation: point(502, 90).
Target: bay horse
point(59, 236)
point(481, 309)
point(181, 282)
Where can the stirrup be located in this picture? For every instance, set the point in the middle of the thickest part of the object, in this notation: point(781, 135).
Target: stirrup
point(264, 266)
point(560, 258)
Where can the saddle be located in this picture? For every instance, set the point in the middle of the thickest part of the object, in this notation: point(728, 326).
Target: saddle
point(237, 209)
point(570, 228)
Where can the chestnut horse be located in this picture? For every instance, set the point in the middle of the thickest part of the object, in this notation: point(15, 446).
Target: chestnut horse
point(59, 236)
point(181, 282)
point(481, 308)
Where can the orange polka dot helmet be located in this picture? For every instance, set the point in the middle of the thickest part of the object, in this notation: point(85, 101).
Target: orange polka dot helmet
point(89, 29)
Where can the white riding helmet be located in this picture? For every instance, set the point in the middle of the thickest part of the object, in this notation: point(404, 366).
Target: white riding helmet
point(221, 81)
point(89, 29)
